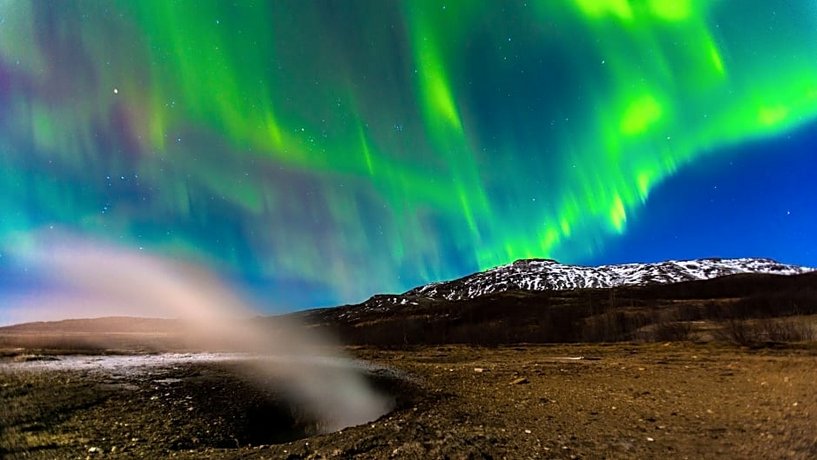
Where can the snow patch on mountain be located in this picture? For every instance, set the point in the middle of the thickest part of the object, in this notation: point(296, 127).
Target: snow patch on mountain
point(546, 274)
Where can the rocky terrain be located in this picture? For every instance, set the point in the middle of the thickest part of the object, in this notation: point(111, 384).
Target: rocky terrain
point(515, 402)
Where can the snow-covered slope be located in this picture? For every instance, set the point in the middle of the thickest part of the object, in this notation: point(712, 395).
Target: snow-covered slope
point(545, 274)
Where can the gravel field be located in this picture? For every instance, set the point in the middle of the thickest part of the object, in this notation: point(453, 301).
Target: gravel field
point(616, 401)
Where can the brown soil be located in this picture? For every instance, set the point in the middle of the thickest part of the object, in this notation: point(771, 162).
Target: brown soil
point(619, 401)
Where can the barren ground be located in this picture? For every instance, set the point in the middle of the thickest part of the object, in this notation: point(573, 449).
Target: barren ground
point(619, 401)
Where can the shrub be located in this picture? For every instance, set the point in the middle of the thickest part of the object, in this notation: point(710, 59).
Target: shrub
point(672, 331)
point(738, 332)
point(786, 330)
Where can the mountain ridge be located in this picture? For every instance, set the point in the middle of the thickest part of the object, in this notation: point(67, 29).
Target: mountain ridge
point(549, 275)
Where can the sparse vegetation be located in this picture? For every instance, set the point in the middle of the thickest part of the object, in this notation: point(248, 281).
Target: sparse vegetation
point(753, 333)
point(742, 309)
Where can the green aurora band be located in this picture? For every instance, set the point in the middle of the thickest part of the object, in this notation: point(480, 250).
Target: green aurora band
point(361, 146)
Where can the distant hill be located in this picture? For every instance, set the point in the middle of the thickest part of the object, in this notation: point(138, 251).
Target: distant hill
point(687, 310)
point(110, 325)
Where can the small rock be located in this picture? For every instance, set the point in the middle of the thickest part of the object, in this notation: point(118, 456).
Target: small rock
point(520, 381)
point(527, 431)
point(650, 439)
point(479, 370)
point(412, 449)
point(94, 450)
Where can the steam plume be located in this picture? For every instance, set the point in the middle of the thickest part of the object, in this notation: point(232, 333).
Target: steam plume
point(90, 279)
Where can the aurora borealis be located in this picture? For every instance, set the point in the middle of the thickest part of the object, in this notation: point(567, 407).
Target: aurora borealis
point(324, 151)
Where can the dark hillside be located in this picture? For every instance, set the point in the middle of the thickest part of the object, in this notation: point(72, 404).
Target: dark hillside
point(658, 312)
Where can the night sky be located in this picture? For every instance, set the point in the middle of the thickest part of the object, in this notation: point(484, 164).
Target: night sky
point(319, 152)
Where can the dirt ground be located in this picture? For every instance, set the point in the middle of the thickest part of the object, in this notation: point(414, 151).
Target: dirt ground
point(617, 401)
